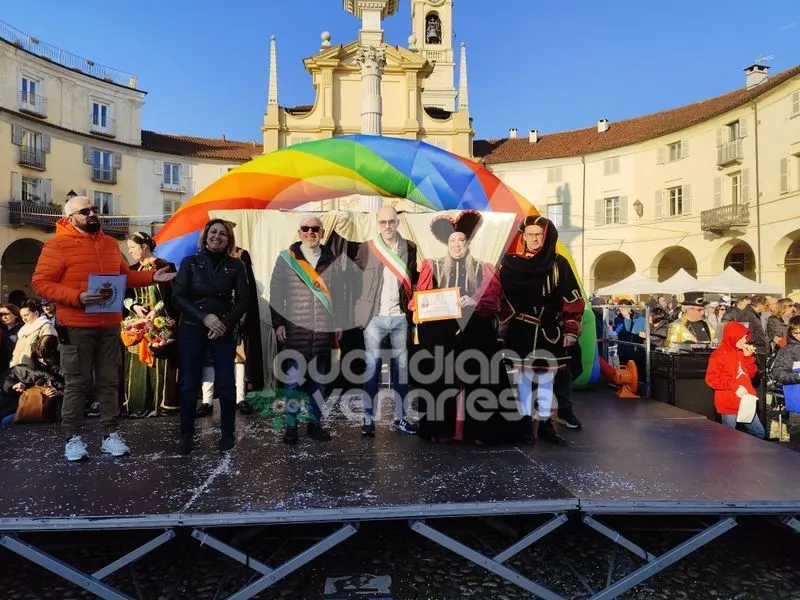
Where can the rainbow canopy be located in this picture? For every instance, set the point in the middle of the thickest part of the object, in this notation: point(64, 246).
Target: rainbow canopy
point(354, 164)
point(341, 166)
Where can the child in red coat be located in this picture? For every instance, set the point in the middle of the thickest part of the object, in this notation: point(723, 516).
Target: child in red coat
point(730, 371)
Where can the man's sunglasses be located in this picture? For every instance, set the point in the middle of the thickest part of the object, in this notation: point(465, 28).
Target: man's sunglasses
point(311, 228)
point(86, 211)
point(388, 222)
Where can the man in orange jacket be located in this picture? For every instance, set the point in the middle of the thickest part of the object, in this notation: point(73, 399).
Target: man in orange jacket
point(90, 352)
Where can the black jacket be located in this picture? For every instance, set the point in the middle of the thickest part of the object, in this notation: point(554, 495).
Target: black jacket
point(201, 289)
point(782, 367)
point(752, 320)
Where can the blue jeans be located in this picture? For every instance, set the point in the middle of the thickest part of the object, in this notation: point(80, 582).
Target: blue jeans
point(193, 343)
point(754, 428)
point(300, 383)
point(375, 332)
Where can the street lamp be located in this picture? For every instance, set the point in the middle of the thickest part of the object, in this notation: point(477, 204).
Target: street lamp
point(638, 207)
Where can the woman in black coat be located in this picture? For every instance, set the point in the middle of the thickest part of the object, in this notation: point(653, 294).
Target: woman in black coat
point(210, 292)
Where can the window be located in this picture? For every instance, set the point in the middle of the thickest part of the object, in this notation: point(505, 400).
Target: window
point(796, 102)
point(554, 175)
point(29, 91)
point(105, 202)
point(100, 115)
point(32, 190)
point(612, 210)
point(102, 166)
point(674, 151)
point(31, 152)
point(555, 212)
point(172, 175)
point(611, 166)
point(171, 205)
point(734, 131)
point(675, 201)
point(736, 188)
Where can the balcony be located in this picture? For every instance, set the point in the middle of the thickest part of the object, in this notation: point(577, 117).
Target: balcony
point(107, 130)
point(729, 153)
point(32, 157)
point(104, 174)
point(725, 217)
point(118, 227)
point(34, 213)
point(33, 104)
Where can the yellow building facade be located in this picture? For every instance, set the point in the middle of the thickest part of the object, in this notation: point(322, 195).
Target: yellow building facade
point(700, 187)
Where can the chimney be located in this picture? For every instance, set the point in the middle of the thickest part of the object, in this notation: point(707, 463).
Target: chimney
point(602, 126)
point(533, 136)
point(223, 138)
point(756, 74)
point(512, 133)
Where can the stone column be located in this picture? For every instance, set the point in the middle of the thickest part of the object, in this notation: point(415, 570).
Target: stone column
point(371, 61)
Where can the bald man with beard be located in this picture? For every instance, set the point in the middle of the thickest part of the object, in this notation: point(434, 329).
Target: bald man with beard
point(90, 341)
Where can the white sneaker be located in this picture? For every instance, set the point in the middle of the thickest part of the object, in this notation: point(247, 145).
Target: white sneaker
point(113, 445)
point(75, 449)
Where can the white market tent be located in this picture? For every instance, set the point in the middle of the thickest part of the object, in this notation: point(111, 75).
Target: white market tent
point(680, 283)
point(730, 281)
point(630, 286)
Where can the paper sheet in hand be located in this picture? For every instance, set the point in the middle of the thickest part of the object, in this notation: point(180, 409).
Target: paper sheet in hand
point(747, 409)
point(112, 288)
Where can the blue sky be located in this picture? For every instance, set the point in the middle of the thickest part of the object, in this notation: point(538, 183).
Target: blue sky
point(205, 63)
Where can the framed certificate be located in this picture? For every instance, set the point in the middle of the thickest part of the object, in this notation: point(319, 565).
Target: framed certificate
point(112, 288)
point(437, 305)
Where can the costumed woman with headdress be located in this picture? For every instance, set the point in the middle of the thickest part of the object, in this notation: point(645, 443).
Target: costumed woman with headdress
point(150, 373)
point(466, 403)
point(544, 322)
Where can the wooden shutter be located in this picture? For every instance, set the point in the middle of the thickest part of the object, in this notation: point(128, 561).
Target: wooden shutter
point(158, 167)
point(565, 214)
point(16, 134)
point(599, 212)
point(686, 207)
point(116, 160)
point(717, 192)
point(796, 102)
point(684, 148)
point(742, 127)
point(784, 175)
point(46, 143)
point(659, 204)
point(186, 171)
point(623, 209)
point(745, 183)
point(16, 187)
point(90, 195)
point(47, 190)
point(661, 156)
point(88, 155)
point(720, 136)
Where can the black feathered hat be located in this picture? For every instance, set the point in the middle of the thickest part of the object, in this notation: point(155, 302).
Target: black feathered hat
point(467, 222)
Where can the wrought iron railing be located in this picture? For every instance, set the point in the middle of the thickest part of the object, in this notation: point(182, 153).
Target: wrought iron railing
point(104, 174)
point(64, 58)
point(725, 217)
point(34, 104)
point(32, 157)
point(45, 215)
point(729, 152)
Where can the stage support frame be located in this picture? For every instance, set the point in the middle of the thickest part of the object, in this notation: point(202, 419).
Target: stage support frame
point(793, 523)
point(92, 583)
point(495, 565)
point(654, 564)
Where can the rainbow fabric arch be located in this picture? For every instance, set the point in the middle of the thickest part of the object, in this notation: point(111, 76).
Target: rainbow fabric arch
point(354, 164)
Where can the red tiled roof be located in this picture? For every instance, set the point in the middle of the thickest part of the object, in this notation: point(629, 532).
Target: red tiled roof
point(215, 148)
point(299, 109)
point(620, 133)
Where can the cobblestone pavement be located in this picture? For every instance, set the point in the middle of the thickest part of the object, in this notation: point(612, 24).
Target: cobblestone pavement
point(756, 560)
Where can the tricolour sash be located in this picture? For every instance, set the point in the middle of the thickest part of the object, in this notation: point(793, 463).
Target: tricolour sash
point(311, 278)
point(392, 261)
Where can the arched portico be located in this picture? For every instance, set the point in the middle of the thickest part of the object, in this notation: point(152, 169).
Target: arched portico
point(610, 267)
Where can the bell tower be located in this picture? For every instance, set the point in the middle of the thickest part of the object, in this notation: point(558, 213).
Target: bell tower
point(432, 37)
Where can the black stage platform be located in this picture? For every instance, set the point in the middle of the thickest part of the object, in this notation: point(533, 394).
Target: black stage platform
point(633, 457)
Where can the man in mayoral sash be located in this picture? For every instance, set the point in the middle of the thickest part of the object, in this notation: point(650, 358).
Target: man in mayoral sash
point(304, 315)
point(388, 263)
